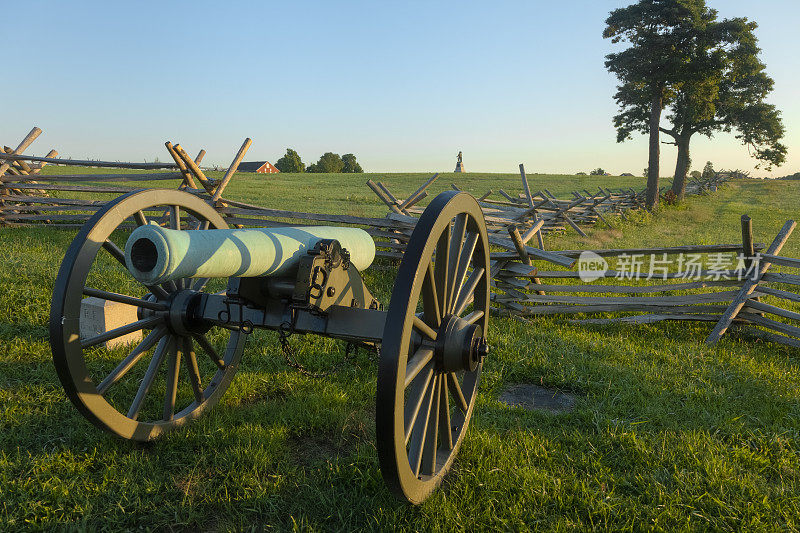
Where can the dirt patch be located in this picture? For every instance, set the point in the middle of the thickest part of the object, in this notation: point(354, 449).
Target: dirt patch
point(537, 398)
point(310, 451)
point(263, 394)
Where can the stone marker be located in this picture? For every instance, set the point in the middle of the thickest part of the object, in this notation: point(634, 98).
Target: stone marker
point(99, 316)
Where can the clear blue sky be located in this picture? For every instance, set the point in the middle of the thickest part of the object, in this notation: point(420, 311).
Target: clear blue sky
point(403, 85)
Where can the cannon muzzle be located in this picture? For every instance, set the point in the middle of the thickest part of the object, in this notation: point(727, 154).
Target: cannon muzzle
point(156, 255)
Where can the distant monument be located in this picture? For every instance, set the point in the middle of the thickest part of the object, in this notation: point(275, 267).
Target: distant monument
point(459, 163)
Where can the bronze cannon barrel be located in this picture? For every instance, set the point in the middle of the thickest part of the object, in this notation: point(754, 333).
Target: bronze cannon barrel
point(157, 255)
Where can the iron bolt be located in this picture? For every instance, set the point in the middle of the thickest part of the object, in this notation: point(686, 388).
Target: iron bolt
point(482, 349)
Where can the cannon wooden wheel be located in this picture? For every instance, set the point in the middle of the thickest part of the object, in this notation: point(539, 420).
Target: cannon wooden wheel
point(117, 388)
point(433, 346)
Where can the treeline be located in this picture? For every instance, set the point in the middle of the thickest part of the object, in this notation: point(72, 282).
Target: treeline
point(328, 163)
point(795, 176)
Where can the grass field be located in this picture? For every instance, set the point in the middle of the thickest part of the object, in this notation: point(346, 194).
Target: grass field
point(667, 433)
point(348, 194)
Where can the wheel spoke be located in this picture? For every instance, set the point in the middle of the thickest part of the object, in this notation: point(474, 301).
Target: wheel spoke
point(454, 257)
point(170, 286)
point(440, 268)
point(192, 368)
point(158, 292)
point(474, 316)
point(468, 290)
point(174, 217)
point(420, 430)
point(455, 390)
point(430, 298)
point(200, 283)
point(463, 264)
point(149, 377)
point(421, 358)
point(210, 351)
point(445, 429)
point(120, 331)
point(141, 219)
point(432, 434)
point(173, 370)
point(124, 299)
point(415, 400)
point(132, 358)
point(115, 252)
point(424, 328)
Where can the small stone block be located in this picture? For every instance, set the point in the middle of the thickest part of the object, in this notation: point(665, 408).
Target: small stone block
point(99, 316)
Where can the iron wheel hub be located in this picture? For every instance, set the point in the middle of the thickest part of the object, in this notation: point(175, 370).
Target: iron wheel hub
point(459, 345)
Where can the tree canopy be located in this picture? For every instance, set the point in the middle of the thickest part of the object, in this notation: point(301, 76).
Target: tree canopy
point(708, 171)
point(350, 164)
point(290, 162)
point(726, 93)
point(328, 163)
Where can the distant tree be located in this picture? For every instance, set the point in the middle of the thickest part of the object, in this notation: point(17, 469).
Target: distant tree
point(290, 162)
point(597, 172)
point(661, 34)
point(329, 163)
point(350, 164)
point(696, 174)
point(581, 174)
point(708, 171)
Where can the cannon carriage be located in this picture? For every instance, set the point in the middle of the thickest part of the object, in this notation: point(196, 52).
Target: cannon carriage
point(194, 290)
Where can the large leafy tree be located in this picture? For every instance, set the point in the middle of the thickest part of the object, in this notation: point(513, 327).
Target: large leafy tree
point(290, 162)
point(328, 163)
point(350, 164)
point(719, 85)
point(725, 92)
point(660, 34)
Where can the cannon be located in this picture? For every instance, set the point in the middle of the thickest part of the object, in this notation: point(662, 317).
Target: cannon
point(193, 290)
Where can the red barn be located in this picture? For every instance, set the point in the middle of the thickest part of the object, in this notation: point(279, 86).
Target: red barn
point(259, 167)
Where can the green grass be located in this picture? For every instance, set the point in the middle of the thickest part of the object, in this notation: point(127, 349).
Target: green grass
point(667, 433)
point(348, 194)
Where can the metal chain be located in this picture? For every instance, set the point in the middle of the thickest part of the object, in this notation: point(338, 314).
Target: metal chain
point(351, 350)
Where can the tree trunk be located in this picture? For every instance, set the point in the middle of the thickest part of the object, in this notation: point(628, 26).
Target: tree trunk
point(655, 151)
point(681, 167)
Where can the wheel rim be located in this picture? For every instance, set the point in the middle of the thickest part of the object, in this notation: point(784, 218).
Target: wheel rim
point(423, 405)
point(117, 388)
